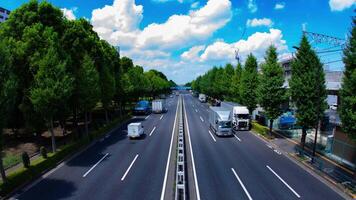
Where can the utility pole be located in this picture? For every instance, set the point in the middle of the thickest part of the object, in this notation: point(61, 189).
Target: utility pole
point(237, 57)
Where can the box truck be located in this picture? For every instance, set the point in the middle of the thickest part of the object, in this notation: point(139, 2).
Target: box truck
point(142, 107)
point(220, 121)
point(159, 106)
point(134, 130)
point(240, 115)
point(202, 98)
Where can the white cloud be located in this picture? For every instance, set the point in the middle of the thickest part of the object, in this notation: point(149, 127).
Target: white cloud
point(69, 13)
point(257, 44)
point(259, 22)
point(279, 6)
point(195, 5)
point(119, 24)
point(252, 6)
point(339, 5)
point(164, 1)
point(193, 53)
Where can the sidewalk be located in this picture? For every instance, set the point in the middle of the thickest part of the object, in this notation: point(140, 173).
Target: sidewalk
point(335, 173)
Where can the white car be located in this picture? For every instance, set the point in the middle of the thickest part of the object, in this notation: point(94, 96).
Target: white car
point(333, 107)
point(134, 130)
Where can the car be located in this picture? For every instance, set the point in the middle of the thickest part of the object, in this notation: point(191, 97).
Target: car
point(333, 106)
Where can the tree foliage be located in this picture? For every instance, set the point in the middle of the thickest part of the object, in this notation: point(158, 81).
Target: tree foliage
point(348, 92)
point(307, 87)
point(249, 83)
point(271, 94)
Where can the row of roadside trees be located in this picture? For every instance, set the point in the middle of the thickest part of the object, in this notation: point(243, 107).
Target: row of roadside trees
point(53, 69)
point(307, 90)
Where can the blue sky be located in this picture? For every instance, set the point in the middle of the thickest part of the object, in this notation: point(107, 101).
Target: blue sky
point(185, 38)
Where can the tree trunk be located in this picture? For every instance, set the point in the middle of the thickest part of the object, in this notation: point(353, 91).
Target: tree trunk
point(52, 136)
point(86, 123)
point(302, 140)
point(75, 122)
point(106, 116)
point(270, 127)
point(315, 141)
point(2, 170)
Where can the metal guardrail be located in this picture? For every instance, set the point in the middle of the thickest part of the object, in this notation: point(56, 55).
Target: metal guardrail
point(180, 190)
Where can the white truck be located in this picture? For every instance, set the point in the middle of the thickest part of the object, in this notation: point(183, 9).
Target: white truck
point(240, 115)
point(159, 106)
point(220, 121)
point(134, 130)
point(202, 98)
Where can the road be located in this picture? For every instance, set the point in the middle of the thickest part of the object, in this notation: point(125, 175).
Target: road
point(239, 167)
point(116, 167)
point(243, 166)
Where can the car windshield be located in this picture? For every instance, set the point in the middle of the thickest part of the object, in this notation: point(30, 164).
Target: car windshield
point(224, 124)
point(242, 116)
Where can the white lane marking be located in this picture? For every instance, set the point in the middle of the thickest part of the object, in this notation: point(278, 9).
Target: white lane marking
point(161, 117)
point(242, 185)
point(192, 155)
point(169, 155)
point(269, 146)
point(277, 152)
point(134, 117)
point(212, 136)
point(147, 117)
point(270, 169)
point(196, 110)
point(154, 128)
point(95, 165)
point(237, 138)
point(201, 119)
point(128, 169)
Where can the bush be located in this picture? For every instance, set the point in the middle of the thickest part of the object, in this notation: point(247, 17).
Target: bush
point(262, 130)
point(25, 160)
point(43, 152)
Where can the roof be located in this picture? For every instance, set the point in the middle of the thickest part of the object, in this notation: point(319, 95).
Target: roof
point(135, 124)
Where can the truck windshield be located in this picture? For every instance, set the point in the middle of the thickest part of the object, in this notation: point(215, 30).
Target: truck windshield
point(224, 124)
point(242, 116)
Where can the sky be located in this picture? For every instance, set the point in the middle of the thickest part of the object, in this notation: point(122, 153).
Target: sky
point(185, 38)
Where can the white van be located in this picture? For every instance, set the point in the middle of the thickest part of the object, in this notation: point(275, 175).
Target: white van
point(135, 130)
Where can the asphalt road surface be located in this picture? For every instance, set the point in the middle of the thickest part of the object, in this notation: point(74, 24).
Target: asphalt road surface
point(238, 167)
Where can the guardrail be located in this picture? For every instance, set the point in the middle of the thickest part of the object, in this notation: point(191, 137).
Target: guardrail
point(180, 190)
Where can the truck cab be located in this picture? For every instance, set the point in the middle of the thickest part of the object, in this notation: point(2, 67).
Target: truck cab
point(241, 118)
point(142, 107)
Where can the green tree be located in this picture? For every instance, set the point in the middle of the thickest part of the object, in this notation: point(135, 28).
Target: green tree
point(249, 84)
point(348, 91)
point(52, 89)
point(88, 88)
point(271, 94)
point(235, 83)
point(8, 93)
point(307, 88)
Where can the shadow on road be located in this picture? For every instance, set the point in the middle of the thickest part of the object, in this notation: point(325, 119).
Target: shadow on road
point(50, 189)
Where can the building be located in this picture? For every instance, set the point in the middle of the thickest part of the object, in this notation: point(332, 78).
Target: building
point(4, 14)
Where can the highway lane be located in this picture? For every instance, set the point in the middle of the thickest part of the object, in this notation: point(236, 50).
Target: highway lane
point(262, 173)
point(98, 172)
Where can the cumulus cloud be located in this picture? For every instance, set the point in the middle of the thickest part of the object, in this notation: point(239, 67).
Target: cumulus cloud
point(339, 5)
point(279, 6)
point(252, 6)
point(257, 44)
point(259, 22)
point(119, 24)
point(69, 13)
point(193, 53)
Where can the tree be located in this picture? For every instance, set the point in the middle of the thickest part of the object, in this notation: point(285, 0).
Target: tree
point(235, 83)
point(347, 108)
point(271, 93)
point(307, 88)
point(88, 88)
point(8, 93)
point(249, 83)
point(52, 89)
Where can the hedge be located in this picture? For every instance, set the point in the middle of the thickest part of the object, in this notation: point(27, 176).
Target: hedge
point(38, 166)
point(260, 129)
